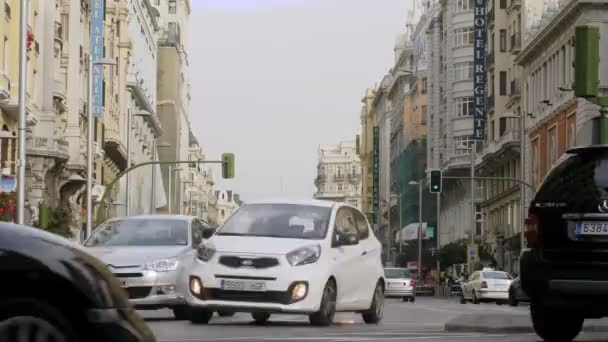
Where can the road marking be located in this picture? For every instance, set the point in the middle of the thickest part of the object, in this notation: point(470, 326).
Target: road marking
point(336, 338)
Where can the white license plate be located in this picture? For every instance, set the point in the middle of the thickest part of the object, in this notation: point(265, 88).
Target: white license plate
point(242, 285)
point(592, 228)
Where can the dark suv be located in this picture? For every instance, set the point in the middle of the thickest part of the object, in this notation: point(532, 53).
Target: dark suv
point(564, 270)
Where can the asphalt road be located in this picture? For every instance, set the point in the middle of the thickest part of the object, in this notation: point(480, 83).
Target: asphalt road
point(420, 321)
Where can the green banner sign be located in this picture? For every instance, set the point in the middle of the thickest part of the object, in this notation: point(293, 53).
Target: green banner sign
point(376, 174)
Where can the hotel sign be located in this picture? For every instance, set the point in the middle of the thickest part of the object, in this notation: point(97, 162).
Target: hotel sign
point(97, 15)
point(479, 87)
point(376, 175)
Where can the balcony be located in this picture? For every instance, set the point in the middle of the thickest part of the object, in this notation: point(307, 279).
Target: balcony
point(457, 161)
point(115, 148)
point(515, 90)
point(47, 147)
point(58, 36)
point(320, 179)
point(354, 178)
point(490, 17)
point(490, 58)
point(7, 10)
point(515, 43)
point(5, 87)
point(490, 102)
point(339, 177)
point(513, 6)
point(59, 90)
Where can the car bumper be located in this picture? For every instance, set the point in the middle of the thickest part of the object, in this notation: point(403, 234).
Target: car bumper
point(277, 297)
point(117, 325)
point(493, 295)
point(399, 292)
point(152, 290)
point(575, 286)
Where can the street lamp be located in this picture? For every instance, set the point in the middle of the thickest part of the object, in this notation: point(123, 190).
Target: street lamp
point(102, 62)
point(399, 201)
point(141, 113)
point(155, 146)
point(419, 184)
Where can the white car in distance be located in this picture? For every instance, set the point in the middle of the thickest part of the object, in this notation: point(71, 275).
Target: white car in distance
point(313, 257)
point(487, 285)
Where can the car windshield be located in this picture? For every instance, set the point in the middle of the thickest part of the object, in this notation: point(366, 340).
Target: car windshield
point(496, 275)
point(278, 220)
point(140, 232)
point(397, 273)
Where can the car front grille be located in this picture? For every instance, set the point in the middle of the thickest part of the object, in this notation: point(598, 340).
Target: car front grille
point(128, 275)
point(237, 262)
point(276, 297)
point(138, 292)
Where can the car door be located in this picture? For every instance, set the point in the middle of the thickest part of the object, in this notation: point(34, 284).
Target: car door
point(467, 288)
point(370, 265)
point(346, 260)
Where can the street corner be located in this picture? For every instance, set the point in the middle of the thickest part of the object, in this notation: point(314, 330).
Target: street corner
point(503, 323)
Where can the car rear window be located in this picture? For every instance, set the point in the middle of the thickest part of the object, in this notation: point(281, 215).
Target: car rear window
point(496, 275)
point(579, 182)
point(397, 273)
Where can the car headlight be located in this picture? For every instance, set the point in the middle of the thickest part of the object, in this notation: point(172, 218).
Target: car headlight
point(205, 252)
point(305, 255)
point(163, 265)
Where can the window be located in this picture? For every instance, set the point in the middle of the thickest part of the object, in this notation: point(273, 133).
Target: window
point(503, 4)
point(552, 146)
point(462, 144)
point(362, 225)
point(503, 40)
point(463, 71)
point(503, 83)
point(464, 5)
point(464, 37)
point(424, 86)
point(423, 114)
point(464, 106)
point(172, 6)
point(339, 171)
point(340, 187)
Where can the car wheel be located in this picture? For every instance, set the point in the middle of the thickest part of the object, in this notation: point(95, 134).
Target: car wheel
point(475, 299)
point(181, 313)
point(260, 318)
point(498, 302)
point(325, 316)
point(412, 299)
point(200, 316)
point(555, 325)
point(225, 313)
point(512, 300)
point(462, 299)
point(34, 318)
point(375, 312)
point(405, 299)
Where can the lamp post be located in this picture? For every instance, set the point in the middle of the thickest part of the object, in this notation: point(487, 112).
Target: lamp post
point(102, 62)
point(419, 184)
point(155, 146)
point(129, 133)
point(23, 30)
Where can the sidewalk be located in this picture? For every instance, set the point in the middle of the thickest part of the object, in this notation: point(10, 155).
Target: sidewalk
point(508, 323)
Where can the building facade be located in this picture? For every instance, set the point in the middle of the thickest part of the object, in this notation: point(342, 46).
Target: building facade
point(199, 192)
point(339, 174)
point(226, 203)
point(366, 153)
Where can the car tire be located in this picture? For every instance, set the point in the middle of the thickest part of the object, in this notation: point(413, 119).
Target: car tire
point(412, 299)
point(512, 300)
point(462, 299)
point(405, 299)
point(200, 316)
point(35, 315)
point(555, 325)
point(325, 316)
point(181, 313)
point(374, 314)
point(226, 313)
point(260, 318)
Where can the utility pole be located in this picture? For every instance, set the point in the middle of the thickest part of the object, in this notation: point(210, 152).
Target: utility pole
point(437, 238)
point(419, 232)
point(22, 110)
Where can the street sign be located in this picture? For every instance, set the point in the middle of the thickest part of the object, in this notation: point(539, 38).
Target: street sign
point(430, 232)
point(472, 253)
point(479, 74)
point(97, 15)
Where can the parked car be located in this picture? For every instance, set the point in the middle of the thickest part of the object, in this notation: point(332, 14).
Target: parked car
point(399, 283)
point(149, 255)
point(309, 257)
point(53, 290)
point(564, 270)
point(516, 293)
point(486, 286)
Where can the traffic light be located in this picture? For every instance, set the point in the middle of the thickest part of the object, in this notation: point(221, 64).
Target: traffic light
point(587, 60)
point(435, 181)
point(228, 165)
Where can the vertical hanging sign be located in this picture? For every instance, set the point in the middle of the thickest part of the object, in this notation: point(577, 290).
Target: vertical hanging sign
point(97, 16)
point(376, 175)
point(479, 49)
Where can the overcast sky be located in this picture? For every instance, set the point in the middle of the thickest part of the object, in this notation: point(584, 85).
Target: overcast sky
point(274, 79)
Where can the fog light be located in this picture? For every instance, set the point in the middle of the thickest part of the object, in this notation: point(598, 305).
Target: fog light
point(299, 291)
point(196, 287)
point(168, 290)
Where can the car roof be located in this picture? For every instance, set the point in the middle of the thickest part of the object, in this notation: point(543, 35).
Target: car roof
point(318, 203)
point(588, 149)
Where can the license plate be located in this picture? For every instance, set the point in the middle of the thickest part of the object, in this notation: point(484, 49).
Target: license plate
point(242, 285)
point(592, 228)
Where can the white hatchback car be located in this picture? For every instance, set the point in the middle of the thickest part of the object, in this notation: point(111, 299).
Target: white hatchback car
point(311, 257)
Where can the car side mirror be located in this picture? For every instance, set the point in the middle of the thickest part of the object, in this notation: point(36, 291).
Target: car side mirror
point(346, 239)
point(208, 233)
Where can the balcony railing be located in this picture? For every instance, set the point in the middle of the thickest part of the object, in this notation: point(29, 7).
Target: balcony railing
point(515, 4)
point(516, 43)
point(339, 177)
point(5, 86)
point(58, 31)
point(490, 103)
point(490, 16)
point(490, 59)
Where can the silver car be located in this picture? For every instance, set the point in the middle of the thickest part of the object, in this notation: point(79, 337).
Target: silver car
point(149, 255)
point(399, 283)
